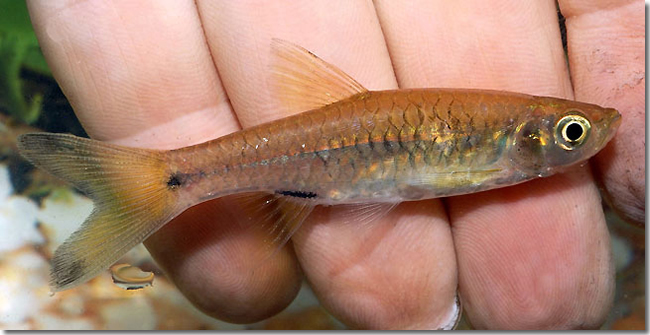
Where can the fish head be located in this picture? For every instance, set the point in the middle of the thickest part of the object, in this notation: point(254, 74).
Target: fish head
point(560, 133)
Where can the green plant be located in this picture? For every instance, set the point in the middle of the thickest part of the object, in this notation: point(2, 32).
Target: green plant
point(19, 50)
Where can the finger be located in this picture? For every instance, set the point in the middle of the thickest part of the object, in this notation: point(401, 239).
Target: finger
point(433, 45)
point(534, 255)
point(140, 74)
point(608, 68)
point(540, 261)
point(399, 272)
point(133, 80)
point(240, 37)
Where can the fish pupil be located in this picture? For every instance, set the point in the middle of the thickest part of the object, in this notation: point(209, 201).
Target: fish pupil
point(574, 132)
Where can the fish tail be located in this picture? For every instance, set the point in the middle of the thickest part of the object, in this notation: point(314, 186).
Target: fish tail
point(131, 191)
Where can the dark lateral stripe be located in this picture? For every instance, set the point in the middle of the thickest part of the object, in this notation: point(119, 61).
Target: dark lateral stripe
point(297, 194)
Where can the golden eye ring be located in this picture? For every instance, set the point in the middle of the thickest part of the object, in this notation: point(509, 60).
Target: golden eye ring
point(571, 131)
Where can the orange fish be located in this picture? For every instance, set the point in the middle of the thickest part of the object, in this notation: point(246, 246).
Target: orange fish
point(350, 146)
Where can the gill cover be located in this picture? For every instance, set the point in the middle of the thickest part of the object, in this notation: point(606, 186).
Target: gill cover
point(528, 147)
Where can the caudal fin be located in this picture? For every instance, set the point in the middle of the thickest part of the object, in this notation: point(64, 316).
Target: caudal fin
point(130, 191)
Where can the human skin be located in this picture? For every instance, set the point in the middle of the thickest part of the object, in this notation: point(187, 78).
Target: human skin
point(167, 74)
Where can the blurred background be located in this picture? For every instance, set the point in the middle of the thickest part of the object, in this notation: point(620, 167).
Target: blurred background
point(37, 213)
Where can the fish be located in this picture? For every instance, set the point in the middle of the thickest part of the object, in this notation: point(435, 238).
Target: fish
point(347, 146)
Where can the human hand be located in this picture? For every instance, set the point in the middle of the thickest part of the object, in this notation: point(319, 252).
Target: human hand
point(530, 256)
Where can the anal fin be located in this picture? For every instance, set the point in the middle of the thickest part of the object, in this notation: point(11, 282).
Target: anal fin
point(275, 217)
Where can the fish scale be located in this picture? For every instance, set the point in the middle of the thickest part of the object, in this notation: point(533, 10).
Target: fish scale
point(401, 131)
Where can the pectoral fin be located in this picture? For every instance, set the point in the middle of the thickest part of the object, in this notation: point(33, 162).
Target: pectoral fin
point(448, 183)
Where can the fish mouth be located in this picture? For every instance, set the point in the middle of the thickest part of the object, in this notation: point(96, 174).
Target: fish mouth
point(611, 123)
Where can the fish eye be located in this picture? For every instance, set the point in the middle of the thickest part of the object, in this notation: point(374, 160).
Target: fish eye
point(571, 131)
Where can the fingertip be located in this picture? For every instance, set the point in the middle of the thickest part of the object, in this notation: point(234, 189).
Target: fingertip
point(396, 273)
point(210, 261)
point(534, 256)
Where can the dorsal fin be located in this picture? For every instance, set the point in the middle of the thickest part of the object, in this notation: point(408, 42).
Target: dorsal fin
point(302, 81)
